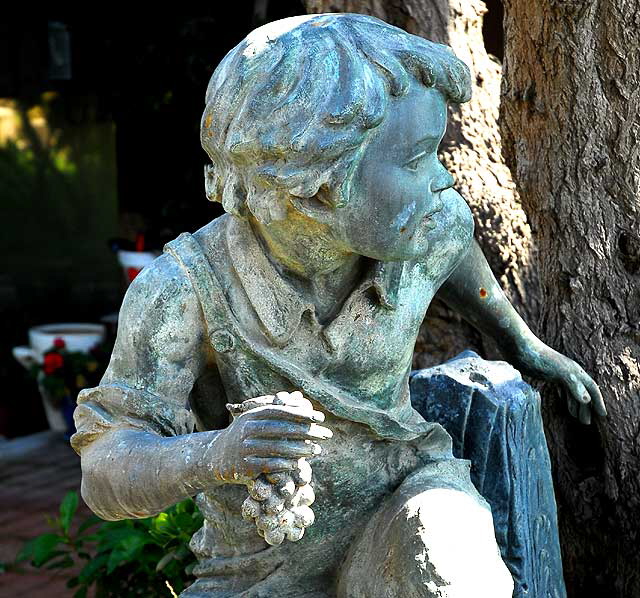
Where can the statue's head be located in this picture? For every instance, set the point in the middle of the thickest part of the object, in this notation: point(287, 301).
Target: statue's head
point(291, 110)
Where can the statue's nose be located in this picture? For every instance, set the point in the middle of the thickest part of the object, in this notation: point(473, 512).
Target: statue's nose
point(443, 181)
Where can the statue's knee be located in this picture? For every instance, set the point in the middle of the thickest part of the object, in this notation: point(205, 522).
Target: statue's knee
point(458, 544)
point(439, 542)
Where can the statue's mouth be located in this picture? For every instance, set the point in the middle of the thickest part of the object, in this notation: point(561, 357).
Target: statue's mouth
point(427, 219)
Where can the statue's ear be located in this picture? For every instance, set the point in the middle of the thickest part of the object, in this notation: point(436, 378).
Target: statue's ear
point(210, 183)
point(319, 207)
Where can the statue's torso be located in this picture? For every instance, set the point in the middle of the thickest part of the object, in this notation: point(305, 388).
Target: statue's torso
point(355, 369)
point(362, 357)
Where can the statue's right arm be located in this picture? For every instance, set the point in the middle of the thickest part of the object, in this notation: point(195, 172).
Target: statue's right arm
point(136, 438)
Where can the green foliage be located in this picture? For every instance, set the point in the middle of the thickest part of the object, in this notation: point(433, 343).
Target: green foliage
point(121, 558)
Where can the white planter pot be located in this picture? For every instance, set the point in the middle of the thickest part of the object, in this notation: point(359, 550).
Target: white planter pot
point(133, 261)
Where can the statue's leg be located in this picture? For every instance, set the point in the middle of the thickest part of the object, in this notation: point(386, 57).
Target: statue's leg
point(494, 419)
point(433, 538)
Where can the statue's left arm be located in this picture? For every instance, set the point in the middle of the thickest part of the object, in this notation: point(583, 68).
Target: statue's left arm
point(473, 291)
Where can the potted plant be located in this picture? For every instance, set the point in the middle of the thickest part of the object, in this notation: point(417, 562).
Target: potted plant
point(64, 359)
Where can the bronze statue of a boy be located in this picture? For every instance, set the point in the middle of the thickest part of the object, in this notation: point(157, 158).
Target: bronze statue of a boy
point(341, 227)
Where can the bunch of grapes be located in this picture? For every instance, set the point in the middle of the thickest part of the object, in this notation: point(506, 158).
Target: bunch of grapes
point(279, 503)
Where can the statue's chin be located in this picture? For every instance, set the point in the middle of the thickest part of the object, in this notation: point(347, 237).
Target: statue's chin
point(407, 251)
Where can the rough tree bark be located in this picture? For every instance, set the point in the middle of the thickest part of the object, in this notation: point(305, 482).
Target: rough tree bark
point(571, 110)
point(571, 121)
point(471, 151)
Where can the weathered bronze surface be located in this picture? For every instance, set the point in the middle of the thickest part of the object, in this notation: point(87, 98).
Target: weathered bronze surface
point(298, 312)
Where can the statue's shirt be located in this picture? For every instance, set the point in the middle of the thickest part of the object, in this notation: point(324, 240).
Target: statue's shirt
point(211, 321)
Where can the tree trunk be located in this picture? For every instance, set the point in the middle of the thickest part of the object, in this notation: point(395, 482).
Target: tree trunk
point(471, 151)
point(571, 120)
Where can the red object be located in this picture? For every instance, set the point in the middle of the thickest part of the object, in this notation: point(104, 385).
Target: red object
point(52, 362)
point(59, 343)
point(140, 242)
point(132, 273)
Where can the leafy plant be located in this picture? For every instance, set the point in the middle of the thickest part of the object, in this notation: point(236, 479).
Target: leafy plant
point(141, 557)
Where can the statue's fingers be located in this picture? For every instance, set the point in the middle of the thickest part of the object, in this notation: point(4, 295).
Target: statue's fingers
point(577, 389)
point(283, 429)
point(234, 408)
point(573, 407)
point(271, 464)
point(288, 413)
point(239, 408)
point(585, 415)
point(293, 449)
point(258, 402)
point(596, 397)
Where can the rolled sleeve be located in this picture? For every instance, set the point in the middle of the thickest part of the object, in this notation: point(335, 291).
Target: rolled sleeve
point(115, 405)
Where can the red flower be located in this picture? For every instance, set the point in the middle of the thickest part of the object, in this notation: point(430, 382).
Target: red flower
point(59, 343)
point(52, 362)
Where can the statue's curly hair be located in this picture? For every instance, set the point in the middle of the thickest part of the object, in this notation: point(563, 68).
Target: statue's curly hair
point(288, 109)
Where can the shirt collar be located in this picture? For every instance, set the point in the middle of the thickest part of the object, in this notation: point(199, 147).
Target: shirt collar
point(278, 305)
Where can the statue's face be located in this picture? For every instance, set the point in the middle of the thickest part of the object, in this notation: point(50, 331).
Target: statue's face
point(395, 209)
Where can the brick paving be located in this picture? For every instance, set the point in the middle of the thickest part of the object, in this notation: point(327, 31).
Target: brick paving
point(35, 474)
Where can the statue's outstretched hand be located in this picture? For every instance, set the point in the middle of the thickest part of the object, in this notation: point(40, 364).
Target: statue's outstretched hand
point(583, 394)
point(268, 434)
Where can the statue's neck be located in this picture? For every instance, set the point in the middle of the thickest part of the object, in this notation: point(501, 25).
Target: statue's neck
point(304, 252)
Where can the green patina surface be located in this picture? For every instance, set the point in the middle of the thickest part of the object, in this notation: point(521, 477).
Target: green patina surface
point(342, 226)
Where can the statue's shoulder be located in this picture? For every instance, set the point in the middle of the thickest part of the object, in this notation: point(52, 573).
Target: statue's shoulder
point(157, 288)
point(160, 296)
point(166, 281)
point(194, 250)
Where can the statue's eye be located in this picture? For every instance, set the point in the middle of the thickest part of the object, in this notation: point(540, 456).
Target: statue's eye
point(414, 164)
